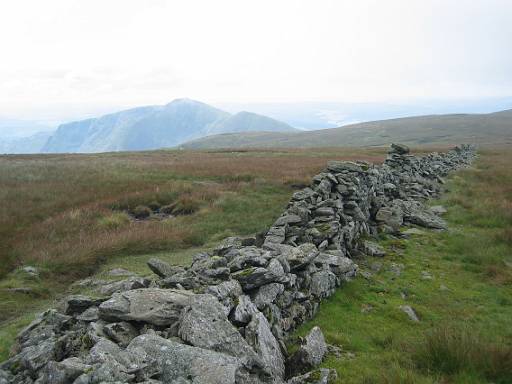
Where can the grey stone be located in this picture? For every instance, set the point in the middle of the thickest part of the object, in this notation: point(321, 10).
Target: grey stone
point(177, 361)
point(275, 235)
point(163, 269)
point(288, 219)
point(410, 312)
point(244, 310)
point(228, 244)
point(323, 284)
point(250, 257)
point(255, 277)
point(36, 356)
point(438, 210)
point(310, 354)
point(341, 166)
point(121, 333)
point(90, 314)
point(151, 305)
point(76, 304)
point(226, 293)
point(373, 249)
point(63, 372)
point(342, 266)
point(133, 282)
point(401, 149)
point(204, 324)
point(412, 232)
point(260, 337)
point(266, 294)
point(297, 257)
point(30, 271)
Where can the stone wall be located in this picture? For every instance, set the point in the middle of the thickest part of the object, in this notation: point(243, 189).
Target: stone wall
point(225, 318)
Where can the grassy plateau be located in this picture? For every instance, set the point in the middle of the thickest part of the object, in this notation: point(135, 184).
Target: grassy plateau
point(71, 216)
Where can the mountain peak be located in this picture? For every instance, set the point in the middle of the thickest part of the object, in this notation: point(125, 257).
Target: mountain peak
point(155, 127)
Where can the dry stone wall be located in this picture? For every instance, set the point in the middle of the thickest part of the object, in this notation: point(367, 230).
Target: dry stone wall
point(225, 318)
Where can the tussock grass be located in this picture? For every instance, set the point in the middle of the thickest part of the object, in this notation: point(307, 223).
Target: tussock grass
point(461, 350)
point(113, 221)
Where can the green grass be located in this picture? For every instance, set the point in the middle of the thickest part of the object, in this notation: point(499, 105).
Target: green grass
point(465, 332)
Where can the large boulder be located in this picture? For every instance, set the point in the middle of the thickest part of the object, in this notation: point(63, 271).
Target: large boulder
point(204, 324)
point(179, 363)
point(151, 305)
point(260, 337)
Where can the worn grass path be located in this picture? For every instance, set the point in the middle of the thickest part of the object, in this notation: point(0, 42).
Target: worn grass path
point(459, 282)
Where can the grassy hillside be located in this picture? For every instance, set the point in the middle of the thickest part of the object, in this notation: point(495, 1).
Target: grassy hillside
point(437, 130)
point(459, 282)
point(64, 215)
point(70, 214)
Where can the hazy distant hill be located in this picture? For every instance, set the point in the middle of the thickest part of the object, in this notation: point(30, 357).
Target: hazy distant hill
point(30, 144)
point(155, 127)
point(492, 128)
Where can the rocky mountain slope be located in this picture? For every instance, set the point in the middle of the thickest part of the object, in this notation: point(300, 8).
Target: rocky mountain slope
point(492, 128)
point(154, 127)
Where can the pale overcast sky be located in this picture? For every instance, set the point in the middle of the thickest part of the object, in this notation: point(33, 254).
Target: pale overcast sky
point(64, 57)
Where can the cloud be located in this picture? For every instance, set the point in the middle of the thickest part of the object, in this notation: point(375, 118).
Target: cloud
point(92, 54)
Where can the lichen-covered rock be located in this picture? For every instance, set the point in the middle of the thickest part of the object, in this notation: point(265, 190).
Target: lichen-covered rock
point(255, 277)
point(133, 282)
point(163, 269)
point(204, 324)
point(323, 284)
point(121, 333)
point(176, 361)
point(309, 355)
point(260, 337)
point(244, 310)
point(266, 294)
point(63, 372)
point(151, 305)
point(371, 248)
point(227, 293)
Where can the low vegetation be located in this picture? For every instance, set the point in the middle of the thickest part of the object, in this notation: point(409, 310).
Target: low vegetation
point(459, 283)
point(70, 215)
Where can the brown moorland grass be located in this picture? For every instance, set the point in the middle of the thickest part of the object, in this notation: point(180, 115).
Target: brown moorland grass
point(50, 205)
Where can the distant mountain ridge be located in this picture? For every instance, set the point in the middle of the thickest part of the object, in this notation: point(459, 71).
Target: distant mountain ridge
point(155, 127)
point(492, 128)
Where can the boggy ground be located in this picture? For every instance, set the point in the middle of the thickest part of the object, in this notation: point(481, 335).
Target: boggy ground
point(459, 282)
